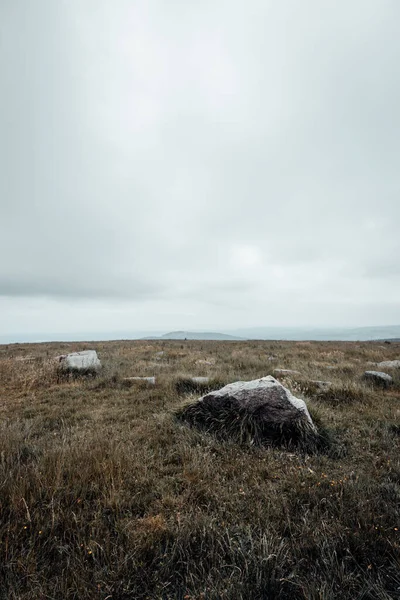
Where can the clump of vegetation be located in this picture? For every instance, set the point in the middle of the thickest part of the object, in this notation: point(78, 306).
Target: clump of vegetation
point(230, 421)
point(104, 495)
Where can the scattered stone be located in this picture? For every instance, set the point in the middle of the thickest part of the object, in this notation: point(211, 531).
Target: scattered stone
point(272, 357)
point(200, 379)
point(86, 361)
point(389, 364)
point(378, 378)
point(284, 372)
point(262, 409)
point(202, 361)
point(322, 385)
point(151, 380)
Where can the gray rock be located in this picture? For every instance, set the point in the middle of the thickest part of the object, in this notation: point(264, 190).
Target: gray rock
point(200, 379)
point(83, 362)
point(203, 361)
point(151, 380)
point(389, 364)
point(264, 405)
point(378, 378)
point(284, 372)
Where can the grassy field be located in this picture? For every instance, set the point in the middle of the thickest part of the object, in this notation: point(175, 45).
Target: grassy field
point(105, 495)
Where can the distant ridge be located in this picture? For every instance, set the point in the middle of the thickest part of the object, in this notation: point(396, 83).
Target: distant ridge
point(345, 334)
point(195, 335)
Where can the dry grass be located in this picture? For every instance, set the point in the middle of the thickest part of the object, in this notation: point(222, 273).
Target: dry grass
point(105, 495)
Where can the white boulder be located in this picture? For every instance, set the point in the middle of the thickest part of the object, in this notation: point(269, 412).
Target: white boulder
point(389, 364)
point(85, 361)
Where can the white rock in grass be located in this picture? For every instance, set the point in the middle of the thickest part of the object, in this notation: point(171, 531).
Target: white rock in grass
point(209, 361)
point(389, 364)
point(84, 361)
point(151, 380)
point(322, 385)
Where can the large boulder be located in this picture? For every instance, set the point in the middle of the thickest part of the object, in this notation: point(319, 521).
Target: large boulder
point(262, 411)
point(378, 378)
point(389, 364)
point(83, 362)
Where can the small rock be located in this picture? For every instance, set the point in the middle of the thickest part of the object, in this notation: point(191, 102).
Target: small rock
point(378, 378)
point(389, 364)
point(200, 379)
point(151, 380)
point(202, 361)
point(321, 384)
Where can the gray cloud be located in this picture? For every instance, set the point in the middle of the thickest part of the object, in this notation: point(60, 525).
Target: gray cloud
point(201, 165)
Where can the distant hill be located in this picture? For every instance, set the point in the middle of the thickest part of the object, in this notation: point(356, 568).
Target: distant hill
point(345, 334)
point(195, 335)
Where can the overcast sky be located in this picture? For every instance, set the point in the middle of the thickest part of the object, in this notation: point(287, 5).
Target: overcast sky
point(198, 165)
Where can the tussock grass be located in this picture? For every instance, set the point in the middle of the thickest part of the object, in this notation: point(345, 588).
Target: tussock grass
point(104, 494)
point(229, 421)
point(345, 395)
